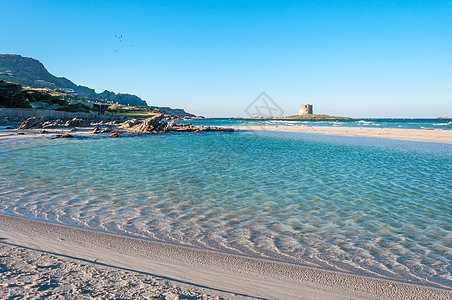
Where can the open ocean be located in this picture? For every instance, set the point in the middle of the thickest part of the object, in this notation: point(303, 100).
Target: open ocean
point(370, 206)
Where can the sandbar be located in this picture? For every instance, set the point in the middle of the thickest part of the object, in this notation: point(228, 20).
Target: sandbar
point(427, 135)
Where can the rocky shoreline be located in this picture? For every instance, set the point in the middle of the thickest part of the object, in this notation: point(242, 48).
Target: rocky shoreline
point(157, 124)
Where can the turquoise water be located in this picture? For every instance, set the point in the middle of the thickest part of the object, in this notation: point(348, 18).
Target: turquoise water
point(376, 207)
point(445, 124)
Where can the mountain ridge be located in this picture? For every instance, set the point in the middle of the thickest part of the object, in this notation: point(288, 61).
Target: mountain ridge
point(31, 72)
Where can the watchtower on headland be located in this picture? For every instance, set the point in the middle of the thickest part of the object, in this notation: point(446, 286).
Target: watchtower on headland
point(305, 109)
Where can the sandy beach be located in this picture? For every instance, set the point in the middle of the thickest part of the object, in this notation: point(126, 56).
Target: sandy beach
point(45, 259)
point(428, 135)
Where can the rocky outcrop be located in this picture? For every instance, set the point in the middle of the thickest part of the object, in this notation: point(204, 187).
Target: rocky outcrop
point(129, 123)
point(155, 125)
point(76, 122)
point(53, 123)
point(30, 123)
point(63, 136)
point(116, 133)
point(108, 123)
point(179, 127)
point(150, 125)
point(41, 122)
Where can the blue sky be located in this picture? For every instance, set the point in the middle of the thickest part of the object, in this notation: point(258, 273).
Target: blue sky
point(213, 58)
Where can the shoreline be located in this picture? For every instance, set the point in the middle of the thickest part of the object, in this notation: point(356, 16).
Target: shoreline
point(224, 275)
point(425, 135)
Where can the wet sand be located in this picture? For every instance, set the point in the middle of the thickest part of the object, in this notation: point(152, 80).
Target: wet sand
point(428, 135)
point(39, 258)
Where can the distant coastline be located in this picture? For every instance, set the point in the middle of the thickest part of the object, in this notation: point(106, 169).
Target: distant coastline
point(303, 117)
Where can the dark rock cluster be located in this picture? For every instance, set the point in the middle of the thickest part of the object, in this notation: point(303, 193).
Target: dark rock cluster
point(153, 125)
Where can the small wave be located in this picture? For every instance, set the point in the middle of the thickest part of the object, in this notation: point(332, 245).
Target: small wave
point(442, 124)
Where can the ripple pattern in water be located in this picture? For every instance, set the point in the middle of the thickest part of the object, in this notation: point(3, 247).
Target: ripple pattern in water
point(382, 210)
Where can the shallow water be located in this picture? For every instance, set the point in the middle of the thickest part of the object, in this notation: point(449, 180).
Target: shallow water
point(371, 206)
point(445, 124)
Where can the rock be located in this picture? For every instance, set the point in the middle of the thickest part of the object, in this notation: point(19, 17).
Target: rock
point(62, 136)
point(42, 131)
point(47, 124)
point(8, 127)
point(76, 122)
point(115, 134)
point(29, 123)
point(113, 123)
point(188, 127)
point(170, 125)
point(174, 126)
point(55, 123)
point(96, 130)
point(149, 125)
point(155, 125)
point(20, 133)
point(129, 123)
point(161, 128)
point(106, 130)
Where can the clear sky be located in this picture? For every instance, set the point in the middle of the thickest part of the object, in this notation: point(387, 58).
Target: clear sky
point(213, 58)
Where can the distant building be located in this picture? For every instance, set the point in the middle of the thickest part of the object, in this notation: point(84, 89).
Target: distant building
point(305, 109)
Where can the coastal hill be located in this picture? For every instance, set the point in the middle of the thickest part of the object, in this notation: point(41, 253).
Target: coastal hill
point(31, 72)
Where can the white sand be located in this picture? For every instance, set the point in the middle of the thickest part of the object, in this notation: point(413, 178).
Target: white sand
point(429, 135)
point(25, 273)
point(45, 259)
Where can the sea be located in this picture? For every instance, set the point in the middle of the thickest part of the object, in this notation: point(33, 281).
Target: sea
point(369, 206)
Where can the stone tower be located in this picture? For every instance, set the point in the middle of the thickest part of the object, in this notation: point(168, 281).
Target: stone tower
point(305, 109)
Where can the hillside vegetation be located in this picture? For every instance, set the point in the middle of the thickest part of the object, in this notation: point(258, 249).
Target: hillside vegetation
point(31, 72)
point(13, 95)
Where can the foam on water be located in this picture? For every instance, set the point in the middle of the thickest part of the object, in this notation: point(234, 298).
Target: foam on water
point(372, 206)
